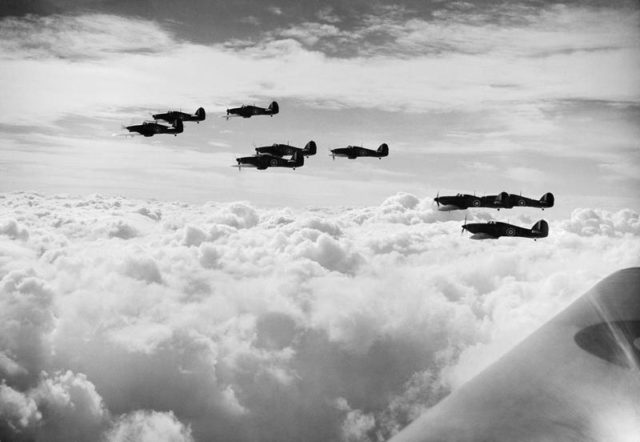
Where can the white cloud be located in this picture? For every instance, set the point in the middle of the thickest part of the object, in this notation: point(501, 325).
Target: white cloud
point(589, 222)
point(225, 321)
point(148, 427)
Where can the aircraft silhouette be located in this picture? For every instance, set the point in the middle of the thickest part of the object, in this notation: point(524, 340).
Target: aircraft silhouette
point(247, 111)
point(503, 200)
point(580, 368)
point(496, 229)
point(264, 161)
point(280, 150)
point(151, 128)
point(173, 116)
point(353, 152)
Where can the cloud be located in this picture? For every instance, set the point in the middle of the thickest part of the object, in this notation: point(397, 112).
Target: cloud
point(231, 322)
point(149, 426)
point(590, 222)
point(75, 38)
point(543, 56)
point(544, 88)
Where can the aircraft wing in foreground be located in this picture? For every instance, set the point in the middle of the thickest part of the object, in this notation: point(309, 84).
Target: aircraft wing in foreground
point(576, 379)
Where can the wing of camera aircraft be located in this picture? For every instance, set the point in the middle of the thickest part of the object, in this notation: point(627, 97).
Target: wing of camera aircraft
point(576, 379)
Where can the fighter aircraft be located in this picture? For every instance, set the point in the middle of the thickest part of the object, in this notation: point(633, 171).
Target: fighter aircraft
point(575, 379)
point(494, 230)
point(247, 111)
point(173, 116)
point(458, 202)
point(503, 200)
point(353, 152)
point(506, 200)
point(280, 150)
point(263, 161)
point(151, 128)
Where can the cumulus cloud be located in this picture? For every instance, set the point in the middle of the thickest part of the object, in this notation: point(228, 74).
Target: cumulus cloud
point(149, 426)
point(590, 222)
point(231, 322)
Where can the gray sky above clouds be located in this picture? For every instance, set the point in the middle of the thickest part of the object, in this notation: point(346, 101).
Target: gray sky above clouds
point(471, 97)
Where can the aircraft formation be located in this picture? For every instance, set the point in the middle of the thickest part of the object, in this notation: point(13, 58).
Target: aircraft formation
point(503, 200)
point(292, 157)
point(275, 155)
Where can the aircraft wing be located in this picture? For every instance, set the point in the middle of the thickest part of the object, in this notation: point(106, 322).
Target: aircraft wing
point(577, 378)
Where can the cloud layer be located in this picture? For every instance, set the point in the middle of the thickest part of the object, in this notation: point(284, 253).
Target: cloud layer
point(169, 321)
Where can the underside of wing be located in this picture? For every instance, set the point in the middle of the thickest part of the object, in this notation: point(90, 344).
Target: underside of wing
point(575, 379)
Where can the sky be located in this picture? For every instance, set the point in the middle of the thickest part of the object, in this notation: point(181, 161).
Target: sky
point(483, 97)
point(149, 291)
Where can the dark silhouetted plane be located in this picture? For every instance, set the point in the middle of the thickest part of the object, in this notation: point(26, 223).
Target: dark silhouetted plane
point(494, 230)
point(173, 116)
point(247, 111)
point(264, 161)
point(151, 128)
point(458, 202)
point(503, 200)
point(506, 200)
point(353, 152)
point(575, 379)
point(280, 150)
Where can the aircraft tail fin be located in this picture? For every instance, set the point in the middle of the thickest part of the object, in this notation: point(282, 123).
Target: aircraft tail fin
point(201, 114)
point(548, 199)
point(383, 149)
point(310, 148)
point(179, 126)
point(297, 159)
point(502, 198)
point(540, 229)
point(274, 108)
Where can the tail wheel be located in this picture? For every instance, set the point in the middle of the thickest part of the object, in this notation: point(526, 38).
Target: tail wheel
point(476, 203)
point(511, 231)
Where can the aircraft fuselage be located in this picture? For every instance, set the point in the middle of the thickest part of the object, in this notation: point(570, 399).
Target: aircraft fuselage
point(353, 152)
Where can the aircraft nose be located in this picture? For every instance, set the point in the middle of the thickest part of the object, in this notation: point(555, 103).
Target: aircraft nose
point(470, 228)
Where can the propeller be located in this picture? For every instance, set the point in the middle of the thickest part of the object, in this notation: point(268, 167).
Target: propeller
point(464, 225)
point(437, 199)
point(238, 164)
